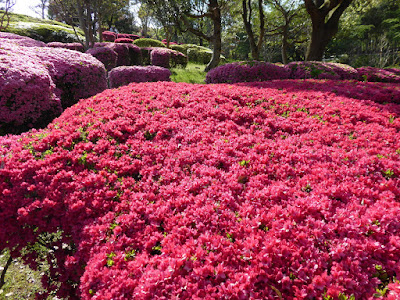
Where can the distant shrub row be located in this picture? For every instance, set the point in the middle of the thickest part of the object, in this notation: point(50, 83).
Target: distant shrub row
point(261, 71)
point(37, 83)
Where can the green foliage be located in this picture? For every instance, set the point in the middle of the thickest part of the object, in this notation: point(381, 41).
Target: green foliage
point(43, 30)
point(144, 42)
point(179, 48)
point(199, 56)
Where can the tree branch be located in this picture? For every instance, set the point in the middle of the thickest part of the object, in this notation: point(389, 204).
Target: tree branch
point(3, 273)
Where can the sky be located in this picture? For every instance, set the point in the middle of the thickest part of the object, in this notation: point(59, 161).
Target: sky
point(23, 7)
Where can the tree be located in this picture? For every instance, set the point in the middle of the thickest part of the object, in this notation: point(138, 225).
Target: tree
point(5, 7)
point(88, 15)
point(213, 13)
point(40, 8)
point(325, 15)
point(185, 16)
point(284, 14)
point(247, 15)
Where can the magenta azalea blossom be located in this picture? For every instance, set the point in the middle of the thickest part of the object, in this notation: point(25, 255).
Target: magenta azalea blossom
point(282, 189)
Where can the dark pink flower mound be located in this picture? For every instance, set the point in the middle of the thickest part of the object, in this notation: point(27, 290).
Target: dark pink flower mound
point(135, 55)
point(160, 57)
point(127, 36)
point(125, 75)
point(20, 40)
point(321, 70)
point(378, 75)
point(106, 55)
point(122, 50)
point(283, 189)
point(248, 71)
point(76, 75)
point(109, 36)
point(27, 94)
point(71, 46)
point(124, 40)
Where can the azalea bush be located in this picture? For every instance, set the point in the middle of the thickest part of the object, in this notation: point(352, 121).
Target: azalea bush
point(106, 55)
point(71, 46)
point(27, 94)
point(76, 75)
point(167, 58)
point(127, 36)
point(124, 75)
point(378, 75)
point(321, 70)
point(124, 40)
point(284, 189)
point(20, 40)
point(247, 72)
point(109, 36)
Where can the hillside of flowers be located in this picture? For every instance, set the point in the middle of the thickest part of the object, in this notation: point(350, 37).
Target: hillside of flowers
point(274, 190)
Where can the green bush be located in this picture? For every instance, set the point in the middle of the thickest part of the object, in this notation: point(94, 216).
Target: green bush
point(43, 30)
point(185, 47)
point(178, 48)
point(148, 43)
point(199, 56)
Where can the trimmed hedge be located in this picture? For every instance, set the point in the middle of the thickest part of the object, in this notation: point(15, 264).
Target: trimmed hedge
point(109, 36)
point(71, 46)
point(248, 71)
point(167, 58)
point(27, 93)
point(76, 75)
point(124, 40)
point(125, 75)
point(145, 43)
point(321, 70)
point(199, 56)
point(106, 55)
point(378, 75)
point(21, 40)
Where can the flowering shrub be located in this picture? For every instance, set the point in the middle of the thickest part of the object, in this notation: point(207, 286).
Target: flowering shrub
point(71, 46)
point(284, 189)
point(135, 55)
point(321, 70)
point(106, 55)
point(123, 40)
point(378, 75)
point(123, 58)
point(160, 57)
point(246, 72)
point(76, 75)
point(124, 75)
point(27, 96)
point(128, 36)
point(109, 36)
point(20, 40)
point(167, 58)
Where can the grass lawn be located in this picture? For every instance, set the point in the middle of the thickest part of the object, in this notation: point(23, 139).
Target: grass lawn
point(193, 73)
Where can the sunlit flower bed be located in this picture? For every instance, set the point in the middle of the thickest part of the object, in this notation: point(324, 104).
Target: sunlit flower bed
point(285, 189)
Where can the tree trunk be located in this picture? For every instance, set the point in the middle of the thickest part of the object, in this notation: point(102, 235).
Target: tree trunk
point(320, 38)
point(247, 16)
point(325, 17)
point(216, 38)
point(285, 45)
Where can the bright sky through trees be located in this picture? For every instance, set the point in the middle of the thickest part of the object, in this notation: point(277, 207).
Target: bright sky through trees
point(24, 7)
